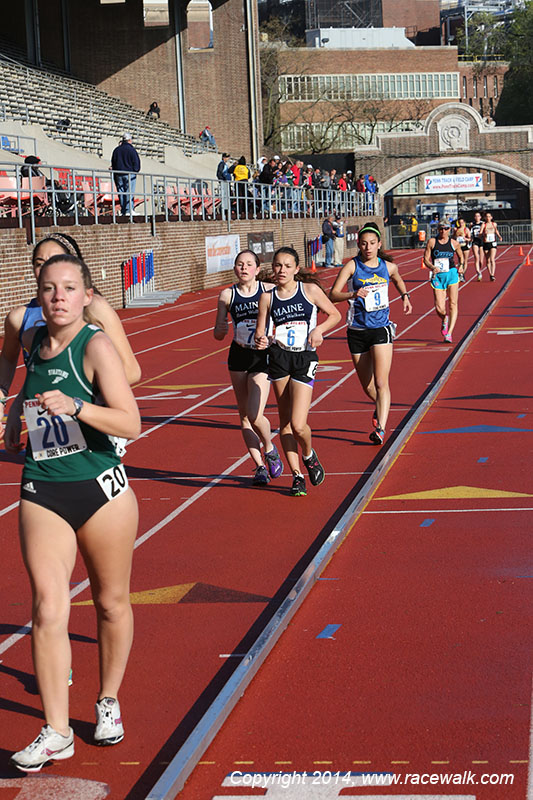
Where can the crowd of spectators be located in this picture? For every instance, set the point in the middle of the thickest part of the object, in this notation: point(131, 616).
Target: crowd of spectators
point(296, 181)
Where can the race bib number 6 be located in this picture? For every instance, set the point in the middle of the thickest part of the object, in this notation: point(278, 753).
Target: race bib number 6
point(292, 335)
point(377, 297)
point(52, 436)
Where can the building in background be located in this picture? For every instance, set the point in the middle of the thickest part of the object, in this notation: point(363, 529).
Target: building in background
point(190, 56)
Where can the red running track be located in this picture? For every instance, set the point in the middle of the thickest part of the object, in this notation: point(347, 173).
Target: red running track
point(215, 557)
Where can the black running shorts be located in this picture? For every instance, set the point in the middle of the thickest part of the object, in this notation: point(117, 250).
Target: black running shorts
point(247, 359)
point(361, 340)
point(76, 501)
point(299, 366)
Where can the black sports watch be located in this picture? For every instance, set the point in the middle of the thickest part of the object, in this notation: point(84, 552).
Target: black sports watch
point(78, 405)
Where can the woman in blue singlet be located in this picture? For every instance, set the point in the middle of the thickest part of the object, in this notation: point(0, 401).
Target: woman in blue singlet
point(27, 316)
point(247, 365)
point(292, 360)
point(370, 331)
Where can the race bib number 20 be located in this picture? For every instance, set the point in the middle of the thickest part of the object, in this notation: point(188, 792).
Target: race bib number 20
point(52, 436)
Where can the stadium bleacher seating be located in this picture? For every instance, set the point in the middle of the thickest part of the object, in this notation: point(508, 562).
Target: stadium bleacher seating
point(47, 96)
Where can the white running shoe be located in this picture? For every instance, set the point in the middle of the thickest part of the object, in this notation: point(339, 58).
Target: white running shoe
point(109, 728)
point(48, 746)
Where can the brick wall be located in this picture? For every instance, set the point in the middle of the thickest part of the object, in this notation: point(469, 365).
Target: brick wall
point(111, 48)
point(325, 61)
point(480, 87)
point(419, 14)
point(179, 253)
point(216, 80)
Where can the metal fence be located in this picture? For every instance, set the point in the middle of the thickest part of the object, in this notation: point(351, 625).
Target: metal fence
point(100, 196)
point(402, 237)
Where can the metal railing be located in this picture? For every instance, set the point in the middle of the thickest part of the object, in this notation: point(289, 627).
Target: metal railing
point(21, 145)
point(401, 237)
point(103, 196)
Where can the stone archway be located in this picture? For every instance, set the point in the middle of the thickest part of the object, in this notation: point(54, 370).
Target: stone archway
point(453, 135)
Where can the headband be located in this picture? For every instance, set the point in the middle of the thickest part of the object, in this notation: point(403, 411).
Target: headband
point(370, 229)
point(63, 241)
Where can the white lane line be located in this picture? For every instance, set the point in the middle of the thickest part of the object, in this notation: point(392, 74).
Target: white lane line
point(7, 509)
point(173, 341)
point(167, 420)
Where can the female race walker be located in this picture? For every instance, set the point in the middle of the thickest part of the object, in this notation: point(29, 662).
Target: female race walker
point(74, 492)
point(247, 365)
point(489, 233)
point(462, 236)
point(370, 331)
point(477, 244)
point(292, 359)
point(439, 257)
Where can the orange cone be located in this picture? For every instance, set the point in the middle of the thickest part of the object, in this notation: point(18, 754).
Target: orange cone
point(528, 262)
point(520, 252)
point(423, 265)
point(313, 265)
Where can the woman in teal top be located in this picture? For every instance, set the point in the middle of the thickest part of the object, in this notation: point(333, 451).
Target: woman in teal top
point(74, 491)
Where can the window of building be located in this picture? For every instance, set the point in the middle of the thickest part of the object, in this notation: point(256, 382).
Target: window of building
point(200, 25)
point(465, 88)
point(409, 186)
point(495, 86)
point(345, 135)
point(475, 88)
point(374, 86)
point(485, 87)
point(155, 13)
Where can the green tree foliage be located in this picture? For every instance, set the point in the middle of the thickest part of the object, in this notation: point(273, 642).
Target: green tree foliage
point(486, 37)
point(516, 103)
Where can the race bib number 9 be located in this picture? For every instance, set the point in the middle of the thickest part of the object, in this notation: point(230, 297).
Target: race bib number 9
point(113, 481)
point(244, 333)
point(442, 264)
point(377, 297)
point(292, 335)
point(52, 436)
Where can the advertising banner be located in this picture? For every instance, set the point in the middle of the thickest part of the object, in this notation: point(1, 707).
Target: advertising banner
point(351, 236)
point(440, 184)
point(220, 252)
point(262, 244)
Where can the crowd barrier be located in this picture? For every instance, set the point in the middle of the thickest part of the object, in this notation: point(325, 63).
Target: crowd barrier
point(91, 196)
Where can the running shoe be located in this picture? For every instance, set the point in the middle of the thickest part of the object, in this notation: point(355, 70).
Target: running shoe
point(298, 488)
point(444, 326)
point(479, 276)
point(375, 419)
point(274, 462)
point(109, 728)
point(48, 746)
point(448, 338)
point(461, 278)
point(315, 469)
point(70, 681)
point(261, 477)
point(377, 436)
point(493, 277)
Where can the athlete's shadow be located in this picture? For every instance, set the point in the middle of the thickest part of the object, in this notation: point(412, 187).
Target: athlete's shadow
point(12, 458)
point(25, 678)
point(179, 478)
